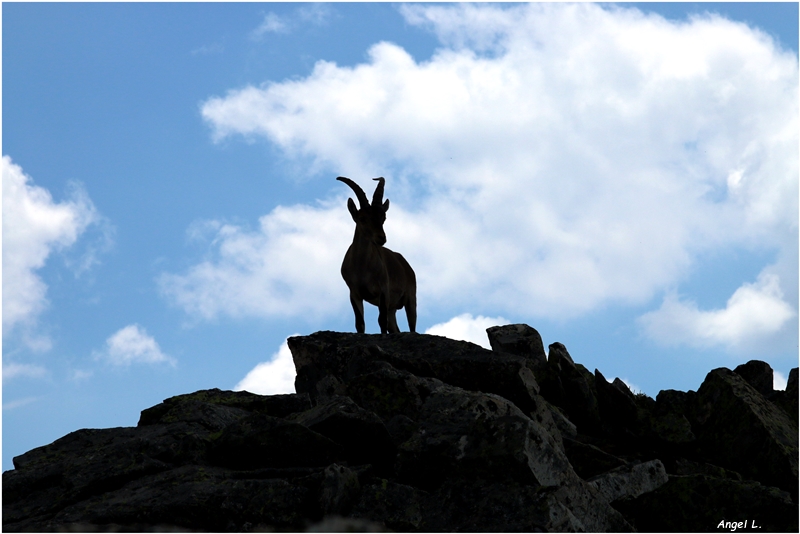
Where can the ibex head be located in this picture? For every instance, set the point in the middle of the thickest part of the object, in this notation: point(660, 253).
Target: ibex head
point(369, 218)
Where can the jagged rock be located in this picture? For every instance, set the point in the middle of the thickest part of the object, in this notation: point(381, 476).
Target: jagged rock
point(617, 409)
point(464, 433)
point(739, 429)
point(520, 340)
point(758, 374)
point(588, 460)
point(698, 503)
point(361, 433)
point(263, 441)
point(458, 363)
point(571, 387)
point(414, 433)
point(630, 481)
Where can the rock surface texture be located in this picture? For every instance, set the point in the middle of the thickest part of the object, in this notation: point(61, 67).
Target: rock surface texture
point(413, 432)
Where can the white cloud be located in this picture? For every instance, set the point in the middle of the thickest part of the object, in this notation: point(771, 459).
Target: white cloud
point(778, 381)
point(315, 14)
point(273, 377)
point(131, 344)
point(33, 227)
point(548, 160)
point(14, 370)
point(754, 311)
point(465, 327)
point(19, 403)
point(272, 23)
point(289, 266)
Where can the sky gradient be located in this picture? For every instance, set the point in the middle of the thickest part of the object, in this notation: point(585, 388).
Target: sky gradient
point(621, 177)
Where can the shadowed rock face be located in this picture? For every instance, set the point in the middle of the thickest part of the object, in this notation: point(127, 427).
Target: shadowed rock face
point(411, 432)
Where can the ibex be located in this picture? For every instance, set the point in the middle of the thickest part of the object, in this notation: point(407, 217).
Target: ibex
point(373, 272)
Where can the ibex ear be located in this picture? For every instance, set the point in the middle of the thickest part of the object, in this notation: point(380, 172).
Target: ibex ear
point(352, 207)
point(386, 206)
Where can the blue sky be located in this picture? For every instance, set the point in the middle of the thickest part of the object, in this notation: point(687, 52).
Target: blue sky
point(621, 177)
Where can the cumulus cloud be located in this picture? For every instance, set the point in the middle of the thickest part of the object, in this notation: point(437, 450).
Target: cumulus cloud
point(465, 327)
point(753, 312)
point(548, 160)
point(273, 377)
point(33, 227)
point(132, 344)
point(288, 266)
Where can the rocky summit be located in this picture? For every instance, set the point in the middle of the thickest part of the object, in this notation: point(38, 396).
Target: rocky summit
point(412, 432)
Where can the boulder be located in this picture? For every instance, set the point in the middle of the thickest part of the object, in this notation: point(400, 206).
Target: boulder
point(396, 506)
point(520, 340)
point(459, 363)
point(630, 481)
point(737, 428)
point(702, 503)
point(472, 434)
point(617, 409)
point(758, 374)
point(361, 434)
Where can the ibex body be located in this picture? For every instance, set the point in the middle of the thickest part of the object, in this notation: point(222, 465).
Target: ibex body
point(373, 272)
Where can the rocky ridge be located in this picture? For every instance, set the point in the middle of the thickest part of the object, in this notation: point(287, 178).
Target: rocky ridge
point(413, 432)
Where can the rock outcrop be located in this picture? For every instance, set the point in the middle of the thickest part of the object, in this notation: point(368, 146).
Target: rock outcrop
point(412, 432)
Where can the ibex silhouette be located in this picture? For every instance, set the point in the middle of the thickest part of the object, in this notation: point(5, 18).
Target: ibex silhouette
point(373, 272)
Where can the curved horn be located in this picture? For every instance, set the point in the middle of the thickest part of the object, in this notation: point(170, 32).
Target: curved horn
point(362, 197)
point(377, 197)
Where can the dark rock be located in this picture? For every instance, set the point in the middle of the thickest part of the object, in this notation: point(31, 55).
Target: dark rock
point(396, 506)
point(464, 433)
point(520, 340)
point(738, 428)
point(483, 506)
point(630, 481)
point(674, 401)
point(389, 392)
point(340, 489)
point(682, 466)
point(701, 503)
point(419, 433)
point(361, 433)
point(274, 405)
point(263, 441)
point(458, 363)
point(758, 374)
point(589, 460)
point(617, 409)
point(571, 387)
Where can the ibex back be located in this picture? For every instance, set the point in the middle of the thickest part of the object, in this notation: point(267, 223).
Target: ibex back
point(373, 272)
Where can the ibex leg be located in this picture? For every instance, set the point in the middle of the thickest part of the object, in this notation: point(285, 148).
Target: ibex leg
point(411, 314)
point(393, 322)
point(383, 315)
point(358, 309)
